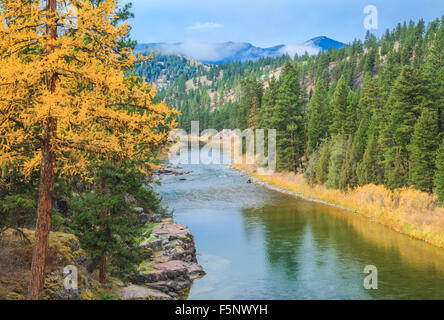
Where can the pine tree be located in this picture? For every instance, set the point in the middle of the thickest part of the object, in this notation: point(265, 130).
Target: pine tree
point(310, 172)
point(250, 103)
point(351, 113)
point(287, 119)
point(369, 103)
point(268, 103)
point(318, 116)
point(370, 169)
point(366, 169)
point(408, 97)
point(339, 107)
point(119, 233)
point(388, 75)
point(371, 60)
point(423, 150)
point(337, 158)
point(347, 175)
point(321, 169)
point(434, 73)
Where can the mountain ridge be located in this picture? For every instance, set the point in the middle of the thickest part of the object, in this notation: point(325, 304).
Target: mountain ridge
point(216, 53)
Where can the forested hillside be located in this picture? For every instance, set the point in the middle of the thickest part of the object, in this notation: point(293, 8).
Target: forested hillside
point(196, 89)
point(164, 70)
point(370, 112)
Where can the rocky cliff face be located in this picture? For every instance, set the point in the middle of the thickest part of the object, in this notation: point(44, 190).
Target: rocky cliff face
point(171, 267)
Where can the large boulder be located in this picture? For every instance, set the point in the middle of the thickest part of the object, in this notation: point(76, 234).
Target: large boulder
point(170, 270)
point(143, 219)
point(156, 218)
point(134, 292)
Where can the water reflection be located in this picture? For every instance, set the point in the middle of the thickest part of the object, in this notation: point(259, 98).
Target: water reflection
point(258, 244)
point(321, 252)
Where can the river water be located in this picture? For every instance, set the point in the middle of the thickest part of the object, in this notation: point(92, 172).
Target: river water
point(256, 243)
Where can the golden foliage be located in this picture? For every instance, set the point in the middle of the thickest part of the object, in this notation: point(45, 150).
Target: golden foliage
point(100, 110)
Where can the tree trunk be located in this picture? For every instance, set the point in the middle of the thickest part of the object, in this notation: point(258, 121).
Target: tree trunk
point(102, 268)
point(43, 226)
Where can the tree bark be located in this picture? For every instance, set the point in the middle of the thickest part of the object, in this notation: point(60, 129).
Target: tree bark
point(102, 268)
point(43, 225)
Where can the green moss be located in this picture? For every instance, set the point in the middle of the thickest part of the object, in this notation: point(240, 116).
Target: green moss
point(109, 296)
point(146, 266)
point(151, 225)
point(15, 296)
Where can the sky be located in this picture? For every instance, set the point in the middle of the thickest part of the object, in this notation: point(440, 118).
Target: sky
point(269, 22)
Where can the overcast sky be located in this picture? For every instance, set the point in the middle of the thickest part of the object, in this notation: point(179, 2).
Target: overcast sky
point(269, 22)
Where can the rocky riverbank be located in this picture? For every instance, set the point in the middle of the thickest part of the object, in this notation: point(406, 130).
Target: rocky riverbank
point(171, 268)
point(171, 264)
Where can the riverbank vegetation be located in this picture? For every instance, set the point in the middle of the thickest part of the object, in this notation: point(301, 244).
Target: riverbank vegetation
point(405, 210)
point(79, 135)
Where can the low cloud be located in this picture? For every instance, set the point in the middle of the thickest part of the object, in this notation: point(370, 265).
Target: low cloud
point(205, 26)
point(298, 49)
point(205, 51)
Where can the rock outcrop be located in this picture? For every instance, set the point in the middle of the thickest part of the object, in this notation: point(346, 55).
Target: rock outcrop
point(172, 265)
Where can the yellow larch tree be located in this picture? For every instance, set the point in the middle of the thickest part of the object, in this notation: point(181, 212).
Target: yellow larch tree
point(67, 99)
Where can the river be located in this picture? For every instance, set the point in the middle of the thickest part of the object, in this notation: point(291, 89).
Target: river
point(255, 243)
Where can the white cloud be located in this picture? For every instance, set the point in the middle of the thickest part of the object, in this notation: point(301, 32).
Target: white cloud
point(205, 25)
point(293, 49)
point(203, 51)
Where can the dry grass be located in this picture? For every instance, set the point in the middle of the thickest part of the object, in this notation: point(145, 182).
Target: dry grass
point(406, 210)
